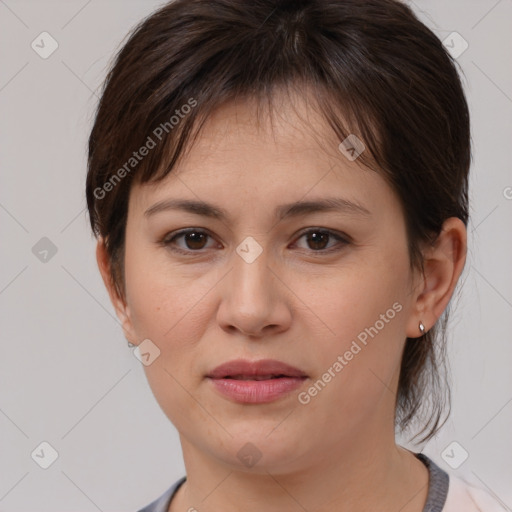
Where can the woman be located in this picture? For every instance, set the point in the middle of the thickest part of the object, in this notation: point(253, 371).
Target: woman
point(279, 191)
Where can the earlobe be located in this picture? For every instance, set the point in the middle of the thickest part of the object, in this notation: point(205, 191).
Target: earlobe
point(443, 265)
point(119, 302)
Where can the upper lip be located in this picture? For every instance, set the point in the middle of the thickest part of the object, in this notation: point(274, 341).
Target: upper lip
point(262, 367)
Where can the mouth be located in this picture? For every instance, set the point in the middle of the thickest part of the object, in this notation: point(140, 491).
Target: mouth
point(255, 382)
point(254, 377)
point(263, 369)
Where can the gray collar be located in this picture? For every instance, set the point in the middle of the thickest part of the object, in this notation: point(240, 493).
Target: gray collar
point(437, 486)
point(436, 498)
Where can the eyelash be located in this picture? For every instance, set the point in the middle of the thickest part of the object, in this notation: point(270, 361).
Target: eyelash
point(168, 240)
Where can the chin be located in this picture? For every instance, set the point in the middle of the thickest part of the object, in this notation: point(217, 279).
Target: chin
point(255, 450)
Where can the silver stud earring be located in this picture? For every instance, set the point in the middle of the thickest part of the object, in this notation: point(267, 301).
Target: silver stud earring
point(422, 328)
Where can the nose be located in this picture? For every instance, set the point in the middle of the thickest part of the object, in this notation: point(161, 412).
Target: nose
point(254, 301)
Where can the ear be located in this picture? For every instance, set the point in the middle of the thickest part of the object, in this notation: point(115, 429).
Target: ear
point(443, 264)
point(119, 303)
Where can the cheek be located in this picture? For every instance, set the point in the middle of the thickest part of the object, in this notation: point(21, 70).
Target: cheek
point(173, 309)
point(358, 327)
point(168, 310)
point(357, 299)
point(161, 297)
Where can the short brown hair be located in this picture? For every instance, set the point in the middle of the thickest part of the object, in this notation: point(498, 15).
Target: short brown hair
point(372, 61)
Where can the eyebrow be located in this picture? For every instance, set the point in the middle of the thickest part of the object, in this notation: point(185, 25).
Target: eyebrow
point(281, 212)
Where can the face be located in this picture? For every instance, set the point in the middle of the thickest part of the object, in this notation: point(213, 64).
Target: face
point(327, 291)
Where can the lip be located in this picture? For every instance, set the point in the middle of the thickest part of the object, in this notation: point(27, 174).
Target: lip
point(258, 368)
point(235, 380)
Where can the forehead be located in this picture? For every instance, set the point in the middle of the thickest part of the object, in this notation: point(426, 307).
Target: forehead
point(245, 152)
point(287, 122)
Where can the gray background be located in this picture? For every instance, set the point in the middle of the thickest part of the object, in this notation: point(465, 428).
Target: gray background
point(67, 375)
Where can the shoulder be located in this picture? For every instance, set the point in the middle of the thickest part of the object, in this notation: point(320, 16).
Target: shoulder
point(464, 496)
point(161, 504)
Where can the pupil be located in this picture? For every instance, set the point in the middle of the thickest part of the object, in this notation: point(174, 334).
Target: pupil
point(194, 240)
point(317, 237)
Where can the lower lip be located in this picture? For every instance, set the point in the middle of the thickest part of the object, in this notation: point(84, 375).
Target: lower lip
point(257, 391)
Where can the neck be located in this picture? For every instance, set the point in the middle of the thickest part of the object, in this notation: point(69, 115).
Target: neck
point(340, 481)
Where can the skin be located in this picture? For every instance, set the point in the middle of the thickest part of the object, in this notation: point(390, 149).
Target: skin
point(294, 303)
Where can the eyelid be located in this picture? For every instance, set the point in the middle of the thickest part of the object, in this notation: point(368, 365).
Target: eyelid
point(174, 234)
point(336, 234)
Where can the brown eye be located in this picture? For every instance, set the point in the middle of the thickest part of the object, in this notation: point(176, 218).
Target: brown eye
point(194, 240)
point(318, 240)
